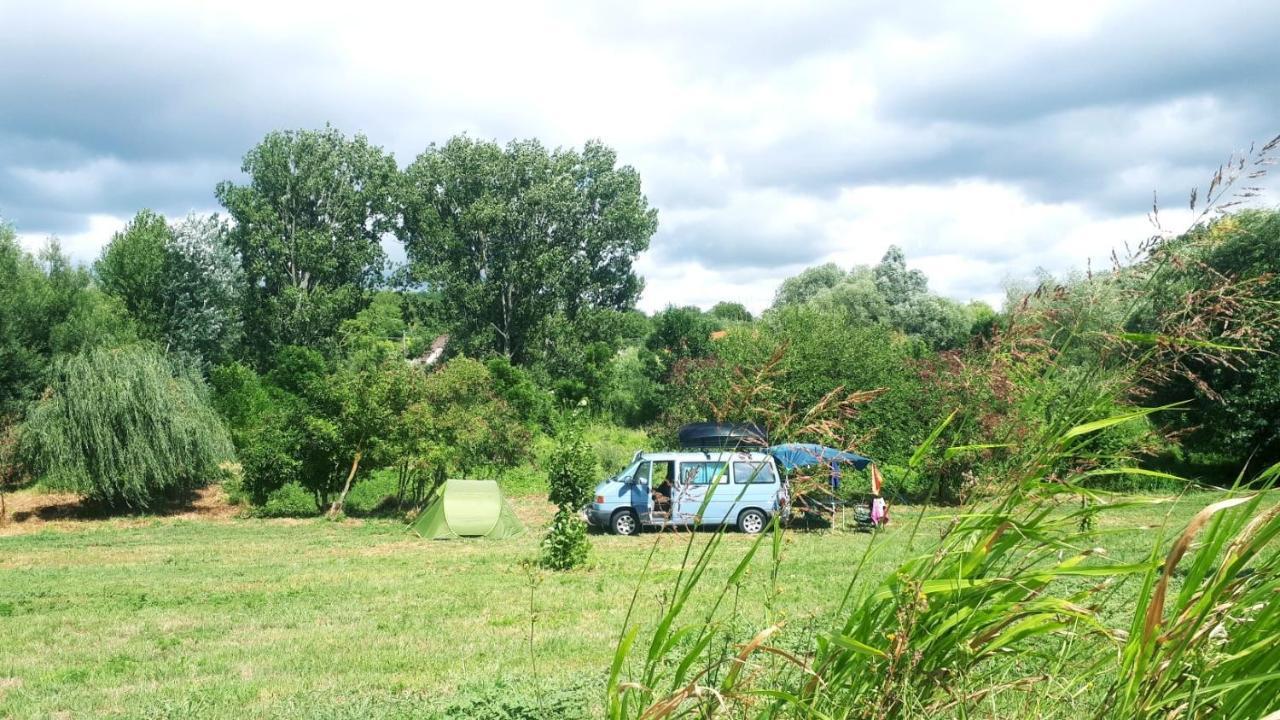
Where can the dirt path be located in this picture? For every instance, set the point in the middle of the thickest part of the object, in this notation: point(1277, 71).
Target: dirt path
point(30, 511)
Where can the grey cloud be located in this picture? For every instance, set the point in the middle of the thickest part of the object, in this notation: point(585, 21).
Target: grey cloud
point(753, 39)
point(718, 241)
point(146, 90)
point(1098, 156)
point(59, 201)
point(1142, 56)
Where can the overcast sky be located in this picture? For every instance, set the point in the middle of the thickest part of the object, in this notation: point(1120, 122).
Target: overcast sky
point(986, 138)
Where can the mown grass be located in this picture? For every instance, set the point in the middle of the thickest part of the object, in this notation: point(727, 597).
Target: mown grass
point(278, 618)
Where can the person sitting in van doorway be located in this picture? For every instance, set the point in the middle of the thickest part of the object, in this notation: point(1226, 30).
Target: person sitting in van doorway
point(662, 489)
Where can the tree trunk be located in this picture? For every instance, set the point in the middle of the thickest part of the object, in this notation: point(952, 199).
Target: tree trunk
point(342, 497)
point(402, 483)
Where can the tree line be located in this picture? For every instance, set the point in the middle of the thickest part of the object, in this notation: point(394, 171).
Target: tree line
point(278, 348)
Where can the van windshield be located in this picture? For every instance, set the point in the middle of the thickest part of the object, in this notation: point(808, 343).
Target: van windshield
point(627, 473)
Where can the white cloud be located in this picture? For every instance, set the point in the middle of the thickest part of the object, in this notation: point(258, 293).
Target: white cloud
point(81, 246)
point(968, 237)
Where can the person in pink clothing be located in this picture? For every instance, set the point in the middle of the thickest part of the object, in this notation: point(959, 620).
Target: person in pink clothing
point(879, 508)
point(879, 511)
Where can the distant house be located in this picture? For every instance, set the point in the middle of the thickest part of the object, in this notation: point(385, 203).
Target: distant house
point(432, 354)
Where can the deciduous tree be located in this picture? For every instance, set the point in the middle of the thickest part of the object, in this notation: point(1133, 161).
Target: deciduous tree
point(308, 229)
point(514, 237)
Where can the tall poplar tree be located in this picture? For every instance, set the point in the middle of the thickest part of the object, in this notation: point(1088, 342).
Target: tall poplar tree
point(308, 230)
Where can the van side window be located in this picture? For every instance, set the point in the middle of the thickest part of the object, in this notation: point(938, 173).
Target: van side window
point(754, 472)
point(704, 473)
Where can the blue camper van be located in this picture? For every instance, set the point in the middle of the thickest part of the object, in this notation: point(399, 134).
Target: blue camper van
point(717, 479)
point(690, 488)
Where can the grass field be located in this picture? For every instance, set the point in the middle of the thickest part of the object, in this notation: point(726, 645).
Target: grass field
point(210, 615)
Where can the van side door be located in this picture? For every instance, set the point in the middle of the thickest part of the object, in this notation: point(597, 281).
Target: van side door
point(662, 492)
point(640, 488)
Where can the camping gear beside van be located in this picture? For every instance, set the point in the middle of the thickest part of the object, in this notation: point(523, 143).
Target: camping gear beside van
point(870, 511)
point(467, 508)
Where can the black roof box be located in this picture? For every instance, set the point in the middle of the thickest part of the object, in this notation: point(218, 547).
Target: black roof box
point(701, 435)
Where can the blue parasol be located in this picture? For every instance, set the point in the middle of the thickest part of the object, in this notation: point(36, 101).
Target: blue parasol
point(797, 455)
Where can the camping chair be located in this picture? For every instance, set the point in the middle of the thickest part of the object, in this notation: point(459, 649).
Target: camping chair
point(864, 519)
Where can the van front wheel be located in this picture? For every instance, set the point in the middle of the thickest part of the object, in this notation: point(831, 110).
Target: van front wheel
point(751, 521)
point(624, 522)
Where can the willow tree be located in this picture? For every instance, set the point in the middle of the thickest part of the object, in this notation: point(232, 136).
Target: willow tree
point(124, 428)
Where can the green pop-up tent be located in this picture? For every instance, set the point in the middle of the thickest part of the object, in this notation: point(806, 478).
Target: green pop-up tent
point(467, 508)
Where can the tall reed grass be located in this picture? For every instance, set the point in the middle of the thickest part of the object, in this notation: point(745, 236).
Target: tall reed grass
point(1004, 610)
point(1015, 609)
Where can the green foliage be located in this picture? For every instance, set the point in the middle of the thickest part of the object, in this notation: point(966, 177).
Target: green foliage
point(270, 455)
point(239, 396)
point(203, 290)
point(47, 307)
point(288, 500)
point(939, 322)
point(530, 476)
point(633, 397)
point(565, 546)
point(532, 404)
point(23, 362)
point(679, 333)
point(1243, 421)
point(463, 425)
point(125, 429)
point(579, 353)
point(587, 381)
point(11, 472)
point(795, 358)
point(809, 283)
point(888, 294)
point(376, 495)
point(571, 476)
point(730, 312)
point(518, 237)
point(985, 319)
point(857, 297)
point(308, 230)
point(181, 283)
point(572, 470)
point(1234, 404)
point(896, 283)
point(322, 424)
point(132, 268)
point(900, 484)
point(613, 447)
